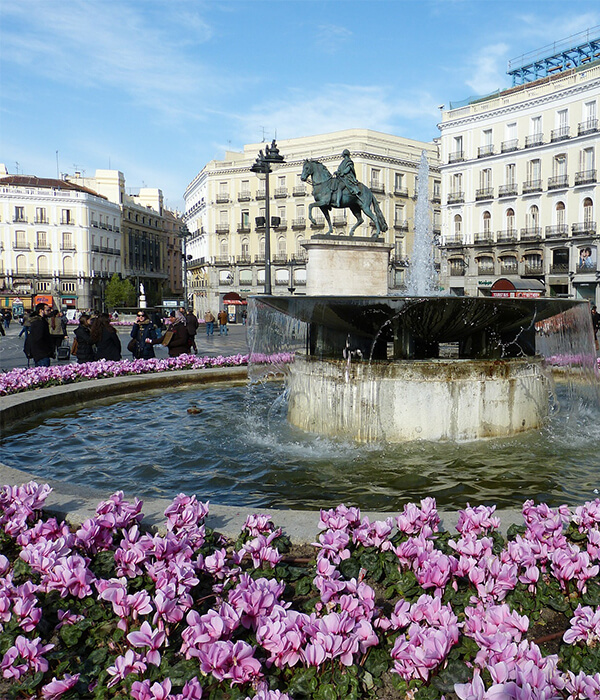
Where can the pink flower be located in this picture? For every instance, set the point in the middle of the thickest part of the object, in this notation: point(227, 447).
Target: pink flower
point(147, 637)
point(29, 653)
point(56, 688)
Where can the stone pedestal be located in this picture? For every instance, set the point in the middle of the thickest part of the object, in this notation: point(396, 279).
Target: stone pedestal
point(346, 266)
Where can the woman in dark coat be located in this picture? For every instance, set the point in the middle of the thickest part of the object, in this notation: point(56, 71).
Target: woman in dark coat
point(142, 331)
point(105, 338)
point(85, 349)
point(180, 340)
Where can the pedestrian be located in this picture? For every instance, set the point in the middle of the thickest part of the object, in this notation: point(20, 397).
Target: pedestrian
point(176, 337)
point(39, 344)
point(595, 324)
point(223, 318)
point(83, 336)
point(105, 338)
point(143, 334)
point(192, 327)
point(209, 320)
point(7, 318)
point(25, 324)
point(244, 317)
point(56, 328)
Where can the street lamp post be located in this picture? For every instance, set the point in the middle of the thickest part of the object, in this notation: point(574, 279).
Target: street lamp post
point(262, 166)
point(184, 233)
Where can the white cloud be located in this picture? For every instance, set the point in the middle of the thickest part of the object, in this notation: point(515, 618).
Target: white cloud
point(331, 38)
point(488, 69)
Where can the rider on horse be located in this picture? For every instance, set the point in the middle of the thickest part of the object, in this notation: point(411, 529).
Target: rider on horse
point(345, 178)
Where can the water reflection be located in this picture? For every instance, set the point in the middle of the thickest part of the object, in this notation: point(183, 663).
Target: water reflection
point(240, 450)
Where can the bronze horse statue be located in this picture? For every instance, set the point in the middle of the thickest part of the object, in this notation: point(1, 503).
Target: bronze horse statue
point(324, 187)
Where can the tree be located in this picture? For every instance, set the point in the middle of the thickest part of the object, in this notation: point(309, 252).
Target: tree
point(119, 292)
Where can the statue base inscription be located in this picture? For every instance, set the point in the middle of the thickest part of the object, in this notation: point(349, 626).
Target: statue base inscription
point(346, 266)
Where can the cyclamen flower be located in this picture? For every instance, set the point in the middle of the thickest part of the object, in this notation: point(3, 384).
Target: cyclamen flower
point(258, 524)
point(56, 688)
point(25, 655)
point(477, 520)
point(146, 690)
point(152, 639)
point(585, 626)
point(131, 662)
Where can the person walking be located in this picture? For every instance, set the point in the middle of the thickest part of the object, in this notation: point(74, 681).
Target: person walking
point(223, 318)
point(192, 327)
point(25, 325)
point(106, 339)
point(595, 324)
point(39, 345)
point(209, 320)
point(143, 335)
point(83, 336)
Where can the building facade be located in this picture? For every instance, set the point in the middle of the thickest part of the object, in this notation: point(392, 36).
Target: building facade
point(151, 252)
point(520, 188)
point(225, 212)
point(57, 239)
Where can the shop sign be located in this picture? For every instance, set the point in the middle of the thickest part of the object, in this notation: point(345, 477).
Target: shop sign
point(484, 283)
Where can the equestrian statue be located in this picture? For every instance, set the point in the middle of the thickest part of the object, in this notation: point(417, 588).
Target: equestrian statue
point(342, 190)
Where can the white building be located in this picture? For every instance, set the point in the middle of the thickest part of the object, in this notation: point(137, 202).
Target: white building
point(520, 188)
point(224, 201)
point(56, 239)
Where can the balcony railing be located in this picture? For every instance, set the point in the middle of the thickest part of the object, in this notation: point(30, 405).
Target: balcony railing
point(557, 231)
point(484, 193)
point(244, 196)
point(41, 220)
point(507, 236)
point(484, 237)
point(280, 258)
point(559, 269)
point(401, 225)
point(68, 246)
point(454, 239)
point(282, 225)
point(281, 192)
point(456, 270)
point(487, 150)
point(243, 260)
point(456, 197)
point(533, 270)
point(510, 190)
point(558, 182)
point(401, 191)
point(298, 223)
point(585, 269)
point(222, 228)
point(299, 191)
point(21, 245)
point(243, 228)
point(509, 146)
point(585, 177)
point(377, 186)
point(222, 260)
point(340, 220)
point(485, 270)
point(534, 140)
point(559, 134)
point(588, 127)
point(456, 157)
point(223, 198)
point(509, 269)
point(318, 223)
point(586, 228)
point(41, 246)
point(532, 186)
point(260, 194)
point(531, 233)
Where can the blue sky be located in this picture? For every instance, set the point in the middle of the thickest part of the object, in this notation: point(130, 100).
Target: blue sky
point(157, 88)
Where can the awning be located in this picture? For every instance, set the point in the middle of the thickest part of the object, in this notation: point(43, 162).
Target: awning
point(234, 298)
point(517, 287)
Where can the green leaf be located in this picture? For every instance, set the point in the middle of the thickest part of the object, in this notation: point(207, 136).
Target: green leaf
point(71, 634)
point(304, 586)
point(326, 691)
point(303, 682)
point(349, 568)
point(455, 672)
point(377, 662)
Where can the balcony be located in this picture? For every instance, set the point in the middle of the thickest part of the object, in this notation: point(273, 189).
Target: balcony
point(585, 269)
point(560, 134)
point(243, 260)
point(484, 237)
point(377, 187)
point(298, 223)
point(531, 233)
point(533, 270)
point(509, 146)
point(41, 220)
point(485, 270)
point(299, 191)
point(243, 228)
point(244, 196)
point(70, 247)
point(534, 140)
point(510, 190)
point(456, 157)
point(558, 182)
point(453, 239)
point(588, 127)
point(42, 247)
point(484, 193)
point(587, 228)
point(456, 197)
point(21, 245)
point(260, 194)
point(401, 225)
point(223, 198)
point(487, 150)
point(532, 186)
point(585, 177)
point(557, 231)
point(401, 191)
point(507, 236)
point(509, 270)
point(456, 270)
point(222, 260)
point(318, 223)
point(339, 221)
point(222, 228)
point(281, 192)
point(559, 269)
point(282, 225)
point(280, 259)
point(299, 258)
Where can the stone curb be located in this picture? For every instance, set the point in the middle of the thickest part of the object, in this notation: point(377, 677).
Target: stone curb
point(76, 503)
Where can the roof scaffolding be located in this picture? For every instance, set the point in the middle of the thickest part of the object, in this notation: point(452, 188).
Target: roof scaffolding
point(574, 51)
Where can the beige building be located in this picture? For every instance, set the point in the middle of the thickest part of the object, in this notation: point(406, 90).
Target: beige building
point(519, 184)
point(57, 239)
point(151, 251)
point(224, 201)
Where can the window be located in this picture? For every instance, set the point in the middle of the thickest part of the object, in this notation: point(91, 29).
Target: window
point(41, 239)
point(398, 214)
point(560, 165)
point(487, 137)
point(458, 225)
point(68, 265)
point(42, 265)
point(510, 173)
point(511, 131)
point(399, 246)
point(559, 213)
point(66, 217)
point(398, 181)
point(299, 249)
point(533, 217)
point(281, 247)
point(281, 181)
point(588, 211)
point(485, 265)
point(19, 213)
point(245, 276)
point(40, 215)
point(245, 248)
point(485, 178)
point(223, 217)
point(562, 119)
point(224, 248)
point(509, 264)
point(589, 111)
point(487, 222)
point(458, 144)
point(375, 176)
point(261, 247)
point(535, 127)
point(437, 188)
point(21, 264)
point(245, 218)
point(20, 239)
point(457, 182)
point(510, 219)
point(587, 159)
point(67, 241)
point(534, 170)
point(223, 188)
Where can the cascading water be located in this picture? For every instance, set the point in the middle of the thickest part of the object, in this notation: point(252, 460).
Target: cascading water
point(422, 279)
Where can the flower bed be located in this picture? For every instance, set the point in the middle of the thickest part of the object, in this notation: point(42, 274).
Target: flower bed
point(388, 609)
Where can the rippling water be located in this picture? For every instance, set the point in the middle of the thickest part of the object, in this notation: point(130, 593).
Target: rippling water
point(239, 450)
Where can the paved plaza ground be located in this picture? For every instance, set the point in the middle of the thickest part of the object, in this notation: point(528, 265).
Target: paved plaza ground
point(11, 346)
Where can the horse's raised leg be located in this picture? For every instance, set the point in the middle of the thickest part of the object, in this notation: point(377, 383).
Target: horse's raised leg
point(310, 216)
point(326, 209)
point(367, 210)
point(356, 210)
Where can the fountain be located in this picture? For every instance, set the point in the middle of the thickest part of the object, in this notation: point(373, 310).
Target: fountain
point(371, 367)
